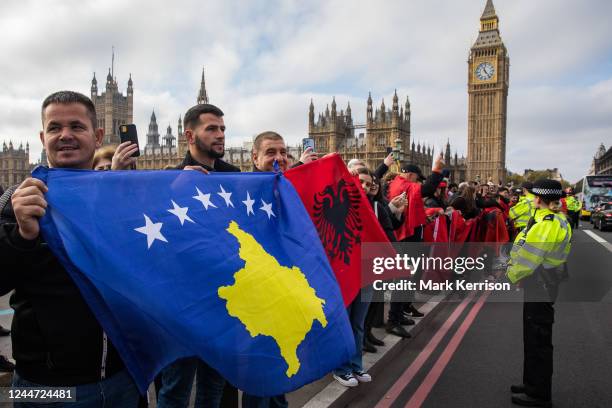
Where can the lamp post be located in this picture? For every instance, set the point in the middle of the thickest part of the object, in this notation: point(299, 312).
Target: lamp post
point(398, 154)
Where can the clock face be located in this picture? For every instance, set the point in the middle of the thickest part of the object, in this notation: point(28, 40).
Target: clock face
point(484, 71)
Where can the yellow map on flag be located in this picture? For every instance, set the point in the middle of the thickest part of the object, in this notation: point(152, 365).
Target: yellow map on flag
point(272, 300)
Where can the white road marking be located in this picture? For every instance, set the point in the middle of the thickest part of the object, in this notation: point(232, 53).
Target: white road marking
point(599, 239)
point(608, 297)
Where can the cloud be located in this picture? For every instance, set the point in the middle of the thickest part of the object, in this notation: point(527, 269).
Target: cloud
point(265, 60)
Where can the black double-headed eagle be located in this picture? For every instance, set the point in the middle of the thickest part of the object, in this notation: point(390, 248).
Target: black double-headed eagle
point(336, 213)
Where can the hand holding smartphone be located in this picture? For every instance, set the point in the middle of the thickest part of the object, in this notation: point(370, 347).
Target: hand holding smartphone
point(128, 133)
point(308, 142)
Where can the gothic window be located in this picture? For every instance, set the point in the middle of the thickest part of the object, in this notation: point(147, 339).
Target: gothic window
point(381, 140)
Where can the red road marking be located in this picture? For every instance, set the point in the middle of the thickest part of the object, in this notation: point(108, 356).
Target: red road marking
point(413, 369)
point(434, 374)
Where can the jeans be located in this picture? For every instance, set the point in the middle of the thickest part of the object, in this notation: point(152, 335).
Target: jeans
point(251, 401)
point(118, 391)
point(209, 386)
point(176, 383)
point(357, 311)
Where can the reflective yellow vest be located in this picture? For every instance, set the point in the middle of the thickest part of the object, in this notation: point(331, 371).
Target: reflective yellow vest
point(522, 211)
point(546, 243)
point(573, 204)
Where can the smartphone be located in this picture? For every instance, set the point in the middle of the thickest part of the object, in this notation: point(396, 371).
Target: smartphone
point(389, 150)
point(128, 133)
point(308, 142)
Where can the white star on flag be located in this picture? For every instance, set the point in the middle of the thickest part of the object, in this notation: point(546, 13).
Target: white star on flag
point(204, 199)
point(152, 231)
point(249, 204)
point(267, 208)
point(226, 196)
point(180, 212)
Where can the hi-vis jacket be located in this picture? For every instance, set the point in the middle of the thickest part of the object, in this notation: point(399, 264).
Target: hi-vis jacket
point(546, 244)
point(573, 204)
point(522, 211)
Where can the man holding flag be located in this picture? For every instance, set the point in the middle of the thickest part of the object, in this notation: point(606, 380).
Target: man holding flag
point(56, 339)
point(413, 183)
point(227, 268)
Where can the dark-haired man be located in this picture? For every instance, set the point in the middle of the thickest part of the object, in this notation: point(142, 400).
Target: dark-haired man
point(56, 339)
point(205, 134)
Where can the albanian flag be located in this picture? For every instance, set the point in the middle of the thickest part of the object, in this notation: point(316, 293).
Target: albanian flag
point(491, 229)
point(415, 210)
point(460, 228)
point(341, 214)
point(437, 229)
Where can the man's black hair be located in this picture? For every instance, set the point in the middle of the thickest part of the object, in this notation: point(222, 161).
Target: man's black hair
point(68, 97)
point(192, 117)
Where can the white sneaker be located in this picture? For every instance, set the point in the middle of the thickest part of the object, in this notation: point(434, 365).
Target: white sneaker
point(347, 380)
point(362, 376)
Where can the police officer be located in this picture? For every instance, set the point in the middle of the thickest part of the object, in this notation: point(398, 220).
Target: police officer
point(573, 207)
point(538, 259)
point(521, 212)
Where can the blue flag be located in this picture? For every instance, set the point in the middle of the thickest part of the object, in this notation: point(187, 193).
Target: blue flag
point(225, 267)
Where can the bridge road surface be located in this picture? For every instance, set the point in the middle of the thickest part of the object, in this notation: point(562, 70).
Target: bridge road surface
point(474, 362)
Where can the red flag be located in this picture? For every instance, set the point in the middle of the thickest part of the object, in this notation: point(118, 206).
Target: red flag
point(341, 214)
point(437, 229)
point(460, 228)
point(436, 233)
point(491, 229)
point(415, 210)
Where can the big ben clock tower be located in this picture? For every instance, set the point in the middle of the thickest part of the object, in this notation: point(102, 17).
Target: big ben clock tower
point(488, 73)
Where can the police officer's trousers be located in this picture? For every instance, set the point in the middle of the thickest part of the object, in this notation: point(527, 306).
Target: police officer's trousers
point(538, 318)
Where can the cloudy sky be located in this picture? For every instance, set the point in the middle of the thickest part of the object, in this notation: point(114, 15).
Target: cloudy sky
point(265, 60)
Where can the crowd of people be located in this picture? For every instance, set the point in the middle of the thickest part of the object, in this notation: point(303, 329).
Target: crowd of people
point(58, 342)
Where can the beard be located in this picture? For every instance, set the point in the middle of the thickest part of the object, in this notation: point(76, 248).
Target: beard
point(207, 150)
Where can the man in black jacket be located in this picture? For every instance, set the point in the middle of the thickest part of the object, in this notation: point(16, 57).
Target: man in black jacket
point(56, 339)
point(399, 309)
point(205, 134)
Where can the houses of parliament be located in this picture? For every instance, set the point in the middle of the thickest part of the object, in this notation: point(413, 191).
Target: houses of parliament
point(335, 130)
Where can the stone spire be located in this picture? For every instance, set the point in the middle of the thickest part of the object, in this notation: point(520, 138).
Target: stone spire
point(153, 133)
point(169, 137)
point(43, 158)
point(395, 102)
point(333, 107)
point(489, 11)
point(94, 86)
point(370, 115)
point(489, 20)
point(202, 96)
point(311, 114)
point(130, 88)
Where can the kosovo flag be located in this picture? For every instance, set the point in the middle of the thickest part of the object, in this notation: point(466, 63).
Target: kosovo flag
point(225, 267)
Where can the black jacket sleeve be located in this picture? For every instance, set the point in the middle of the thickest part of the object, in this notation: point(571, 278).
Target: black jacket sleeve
point(381, 170)
point(15, 252)
point(483, 202)
point(458, 203)
point(395, 222)
point(384, 218)
point(432, 181)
